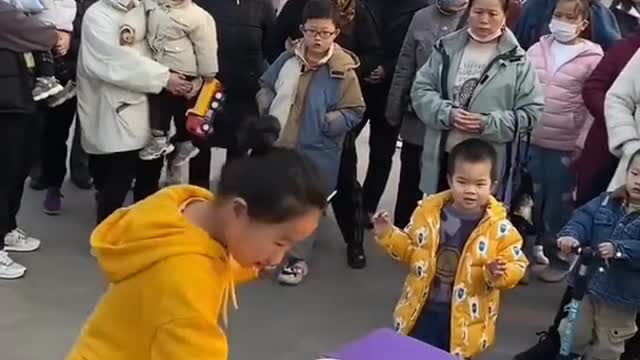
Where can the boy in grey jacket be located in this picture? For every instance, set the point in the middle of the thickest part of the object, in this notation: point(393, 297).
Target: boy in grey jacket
point(181, 36)
point(61, 14)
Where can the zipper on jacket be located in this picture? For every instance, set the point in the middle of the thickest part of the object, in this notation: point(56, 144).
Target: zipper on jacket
point(444, 74)
point(484, 76)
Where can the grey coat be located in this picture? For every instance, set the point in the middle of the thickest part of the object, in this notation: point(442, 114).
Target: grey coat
point(428, 25)
point(509, 96)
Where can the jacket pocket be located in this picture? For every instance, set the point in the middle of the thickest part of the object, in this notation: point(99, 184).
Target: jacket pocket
point(618, 336)
point(122, 101)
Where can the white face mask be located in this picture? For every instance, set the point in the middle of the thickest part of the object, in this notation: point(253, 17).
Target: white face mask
point(562, 31)
point(487, 38)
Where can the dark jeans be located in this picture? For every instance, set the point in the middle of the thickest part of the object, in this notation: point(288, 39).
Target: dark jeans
point(45, 65)
point(382, 146)
point(409, 192)
point(347, 204)
point(165, 106)
point(433, 328)
point(78, 161)
point(229, 128)
point(113, 175)
point(57, 122)
point(16, 146)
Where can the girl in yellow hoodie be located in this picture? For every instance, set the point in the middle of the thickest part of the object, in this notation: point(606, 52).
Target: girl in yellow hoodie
point(173, 260)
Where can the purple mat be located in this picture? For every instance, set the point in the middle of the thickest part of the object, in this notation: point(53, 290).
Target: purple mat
point(385, 344)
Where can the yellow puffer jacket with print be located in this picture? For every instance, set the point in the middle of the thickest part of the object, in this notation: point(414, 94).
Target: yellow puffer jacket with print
point(476, 294)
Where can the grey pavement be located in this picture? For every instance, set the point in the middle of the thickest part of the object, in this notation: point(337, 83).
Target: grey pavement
point(43, 312)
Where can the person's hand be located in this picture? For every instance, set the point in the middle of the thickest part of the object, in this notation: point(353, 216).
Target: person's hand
point(607, 250)
point(467, 121)
point(381, 223)
point(497, 268)
point(178, 85)
point(196, 85)
point(572, 158)
point(377, 75)
point(63, 43)
point(567, 244)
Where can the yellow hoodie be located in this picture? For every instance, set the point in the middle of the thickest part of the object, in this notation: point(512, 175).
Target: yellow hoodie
point(169, 285)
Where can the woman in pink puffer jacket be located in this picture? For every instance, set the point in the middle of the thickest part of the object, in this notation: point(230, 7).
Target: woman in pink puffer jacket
point(563, 63)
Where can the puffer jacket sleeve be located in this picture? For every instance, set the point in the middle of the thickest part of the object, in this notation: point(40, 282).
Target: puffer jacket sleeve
point(103, 58)
point(400, 244)
point(205, 40)
point(350, 108)
point(22, 33)
point(426, 96)
point(510, 251)
point(502, 126)
point(620, 108)
point(61, 13)
point(400, 92)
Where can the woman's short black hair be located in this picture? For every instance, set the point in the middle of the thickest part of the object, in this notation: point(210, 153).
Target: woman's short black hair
point(321, 9)
point(277, 186)
point(506, 4)
point(473, 151)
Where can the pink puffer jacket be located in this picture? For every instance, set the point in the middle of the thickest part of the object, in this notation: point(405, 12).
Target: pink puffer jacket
point(565, 121)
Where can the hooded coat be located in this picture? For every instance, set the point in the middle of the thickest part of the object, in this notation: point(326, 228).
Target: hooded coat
point(325, 104)
point(169, 285)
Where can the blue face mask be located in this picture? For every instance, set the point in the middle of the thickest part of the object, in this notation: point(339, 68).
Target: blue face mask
point(452, 6)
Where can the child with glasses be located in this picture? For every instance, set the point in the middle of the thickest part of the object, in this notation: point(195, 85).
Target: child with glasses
point(313, 90)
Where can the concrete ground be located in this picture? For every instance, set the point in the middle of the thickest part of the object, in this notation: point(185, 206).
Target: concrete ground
point(42, 313)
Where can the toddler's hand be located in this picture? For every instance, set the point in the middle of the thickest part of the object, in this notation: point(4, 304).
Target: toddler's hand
point(381, 223)
point(567, 244)
point(497, 268)
point(607, 250)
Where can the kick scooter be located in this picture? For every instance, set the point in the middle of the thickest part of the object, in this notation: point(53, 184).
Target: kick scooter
point(587, 262)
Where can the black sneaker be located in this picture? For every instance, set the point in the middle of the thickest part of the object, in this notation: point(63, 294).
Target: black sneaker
point(355, 257)
point(546, 349)
point(82, 182)
point(37, 184)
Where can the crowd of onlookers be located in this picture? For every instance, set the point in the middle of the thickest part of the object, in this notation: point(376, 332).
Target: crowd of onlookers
point(552, 85)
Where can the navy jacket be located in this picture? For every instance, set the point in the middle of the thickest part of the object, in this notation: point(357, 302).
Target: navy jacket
point(604, 219)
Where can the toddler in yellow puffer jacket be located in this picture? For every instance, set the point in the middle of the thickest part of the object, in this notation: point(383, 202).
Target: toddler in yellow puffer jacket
point(462, 252)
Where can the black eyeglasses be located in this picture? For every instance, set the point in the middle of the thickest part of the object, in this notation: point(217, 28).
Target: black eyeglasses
point(322, 33)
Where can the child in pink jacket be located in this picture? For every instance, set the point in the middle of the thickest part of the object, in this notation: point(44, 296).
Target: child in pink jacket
point(563, 62)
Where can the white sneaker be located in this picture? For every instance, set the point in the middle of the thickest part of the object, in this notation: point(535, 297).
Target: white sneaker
point(538, 255)
point(185, 151)
point(10, 269)
point(18, 241)
point(293, 273)
point(175, 174)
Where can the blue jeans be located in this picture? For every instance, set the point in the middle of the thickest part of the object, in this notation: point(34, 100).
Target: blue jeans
point(554, 180)
point(434, 327)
